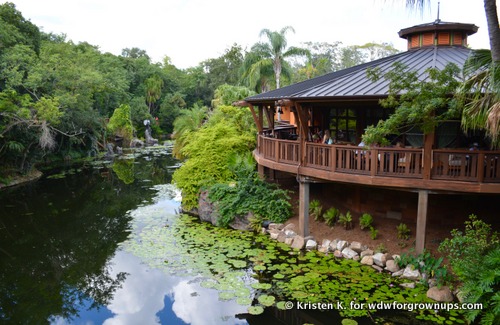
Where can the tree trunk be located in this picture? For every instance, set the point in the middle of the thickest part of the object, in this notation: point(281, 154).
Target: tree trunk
point(490, 8)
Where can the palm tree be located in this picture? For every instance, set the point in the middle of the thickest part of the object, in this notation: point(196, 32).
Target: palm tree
point(273, 53)
point(480, 93)
point(189, 121)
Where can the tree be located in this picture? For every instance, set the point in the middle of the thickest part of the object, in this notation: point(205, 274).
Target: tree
point(483, 86)
point(154, 85)
point(415, 103)
point(480, 95)
point(275, 51)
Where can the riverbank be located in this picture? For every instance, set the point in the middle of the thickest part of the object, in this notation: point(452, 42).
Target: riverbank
point(19, 179)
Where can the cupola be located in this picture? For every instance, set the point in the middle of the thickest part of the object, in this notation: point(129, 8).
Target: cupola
point(438, 33)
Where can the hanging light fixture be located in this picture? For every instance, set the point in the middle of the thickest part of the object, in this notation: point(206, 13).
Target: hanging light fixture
point(280, 111)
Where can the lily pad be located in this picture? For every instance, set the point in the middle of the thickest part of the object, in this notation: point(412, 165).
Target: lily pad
point(266, 300)
point(255, 310)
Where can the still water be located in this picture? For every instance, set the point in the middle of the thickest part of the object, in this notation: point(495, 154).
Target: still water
point(64, 256)
point(103, 243)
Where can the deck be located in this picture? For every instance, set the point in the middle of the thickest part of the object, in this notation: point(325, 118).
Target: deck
point(451, 170)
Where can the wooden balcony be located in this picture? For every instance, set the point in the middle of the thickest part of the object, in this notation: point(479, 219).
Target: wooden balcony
point(449, 170)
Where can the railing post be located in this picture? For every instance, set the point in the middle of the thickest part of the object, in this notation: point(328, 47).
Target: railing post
point(276, 150)
point(333, 158)
point(480, 167)
point(373, 161)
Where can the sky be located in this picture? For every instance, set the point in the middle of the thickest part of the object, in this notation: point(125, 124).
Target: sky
point(191, 31)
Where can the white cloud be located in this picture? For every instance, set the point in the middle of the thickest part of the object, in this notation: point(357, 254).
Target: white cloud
point(190, 31)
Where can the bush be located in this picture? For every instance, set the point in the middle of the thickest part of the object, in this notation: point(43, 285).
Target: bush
point(426, 263)
point(249, 194)
point(346, 220)
point(330, 216)
point(316, 210)
point(365, 221)
point(373, 233)
point(474, 257)
point(403, 231)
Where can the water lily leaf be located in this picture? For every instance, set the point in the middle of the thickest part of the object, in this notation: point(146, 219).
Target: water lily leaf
point(255, 310)
point(244, 301)
point(266, 300)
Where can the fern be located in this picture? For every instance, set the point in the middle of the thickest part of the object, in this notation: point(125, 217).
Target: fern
point(316, 210)
point(331, 216)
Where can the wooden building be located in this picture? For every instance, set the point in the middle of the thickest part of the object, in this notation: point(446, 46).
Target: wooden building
point(345, 102)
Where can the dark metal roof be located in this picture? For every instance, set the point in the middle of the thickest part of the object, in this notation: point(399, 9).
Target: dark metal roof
point(354, 83)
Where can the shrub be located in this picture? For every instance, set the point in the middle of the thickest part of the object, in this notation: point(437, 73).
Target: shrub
point(426, 263)
point(315, 210)
point(474, 257)
point(346, 220)
point(403, 231)
point(331, 216)
point(373, 233)
point(380, 248)
point(365, 221)
point(249, 194)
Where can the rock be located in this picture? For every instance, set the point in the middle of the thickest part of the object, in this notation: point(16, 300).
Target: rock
point(366, 252)
point(241, 222)
point(442, 294)
point(396, 257)
point(281, 237)
point(356, 246)
point(391, 266)
point(274, 233)
point(460, 296)
point(333, 245)
point(136, 143)
point(408, 285)
point(432, 282)
point(341, 244)
point(378, 268)
point(398, 273)
point(311, 244)
point(119, 150)
point(289, 233)
point(263, 231)
point(338, 254)
point(277, 226)
point(289, 240)
point(349, 253)
point(326, 243)
point(410, 273)
point(323, 249)
point(380, 259)
point(356, 258)
point(298, 242)
point(290, 227)
point(206, 210)
point(367, 260)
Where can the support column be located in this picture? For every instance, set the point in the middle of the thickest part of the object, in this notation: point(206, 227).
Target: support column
point(261, 171)
point(423, 200)
point(303, 207)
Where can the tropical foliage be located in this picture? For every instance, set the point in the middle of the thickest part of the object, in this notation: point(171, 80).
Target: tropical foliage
point(474, 256)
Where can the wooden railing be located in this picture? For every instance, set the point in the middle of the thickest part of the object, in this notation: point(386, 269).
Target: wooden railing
point(446, 164)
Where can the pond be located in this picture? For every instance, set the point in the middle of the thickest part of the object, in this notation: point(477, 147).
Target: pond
point(103, 243)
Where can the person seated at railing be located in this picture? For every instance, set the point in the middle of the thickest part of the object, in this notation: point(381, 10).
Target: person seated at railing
point(327, 138)
point(474, 147)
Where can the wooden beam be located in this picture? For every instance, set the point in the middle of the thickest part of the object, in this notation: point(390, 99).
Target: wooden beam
point(427, 159)
point(423, 202)
point(256, 119)
point(303, 207)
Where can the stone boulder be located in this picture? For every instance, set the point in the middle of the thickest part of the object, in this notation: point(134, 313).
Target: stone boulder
point(338, 254)
point(366, 252)
point(411, 273)
point(380, 259)
point(311, 245)
point(356, 246)
point(206, 209)
point(341, 244)
point(391, 266)
point(367, 260)
point(442, 294)
point(298, 242)
point(349, 253)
